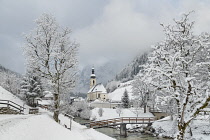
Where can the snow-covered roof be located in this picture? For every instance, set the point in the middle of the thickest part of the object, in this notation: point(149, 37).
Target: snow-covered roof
point(49, 95)
point(98, 88)
point(45, 102)
point(92, 75)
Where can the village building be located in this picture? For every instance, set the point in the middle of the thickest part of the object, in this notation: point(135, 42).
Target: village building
point(97, 91)
point(97, 95)
point(46, 101)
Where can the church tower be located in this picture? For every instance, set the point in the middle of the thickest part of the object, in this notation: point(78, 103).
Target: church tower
point(92, 79)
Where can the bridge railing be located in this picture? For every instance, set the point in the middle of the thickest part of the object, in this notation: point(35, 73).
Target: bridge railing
point(125, 120)
point(9, 103)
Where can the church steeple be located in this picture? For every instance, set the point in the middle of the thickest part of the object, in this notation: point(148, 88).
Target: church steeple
point(92, 78)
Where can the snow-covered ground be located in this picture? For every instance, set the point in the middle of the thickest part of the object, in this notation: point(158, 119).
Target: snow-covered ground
point(200, 128)
point(117, 94)
point(42, 126)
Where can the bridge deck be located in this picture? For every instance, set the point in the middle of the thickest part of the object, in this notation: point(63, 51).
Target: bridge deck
point(122, 120)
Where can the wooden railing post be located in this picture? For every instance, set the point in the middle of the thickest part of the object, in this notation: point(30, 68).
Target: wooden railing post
point(7, 104)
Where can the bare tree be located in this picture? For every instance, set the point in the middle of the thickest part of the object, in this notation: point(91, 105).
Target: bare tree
point(136, 108)
point(119, 110)
point(100, 112)
point(50, 52)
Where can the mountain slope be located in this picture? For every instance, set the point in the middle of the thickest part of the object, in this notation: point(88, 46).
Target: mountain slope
point(132, 68)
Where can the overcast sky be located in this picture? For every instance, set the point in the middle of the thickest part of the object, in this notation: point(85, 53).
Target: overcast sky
point(105, 29)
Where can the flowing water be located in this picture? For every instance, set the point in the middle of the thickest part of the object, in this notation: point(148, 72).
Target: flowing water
point(114, 133)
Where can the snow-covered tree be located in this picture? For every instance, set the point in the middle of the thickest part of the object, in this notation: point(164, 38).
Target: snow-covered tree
point(125, 100)
point(10, 81)
point(80, 109)
point(31, 88)
point(100, 112)
point(111, 86)
point(179, 67)
point(141, 91)
point(50, 52)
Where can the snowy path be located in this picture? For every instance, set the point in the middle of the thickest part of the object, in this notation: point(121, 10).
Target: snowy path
point(43, 127)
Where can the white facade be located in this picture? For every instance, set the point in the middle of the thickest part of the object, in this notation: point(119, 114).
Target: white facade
point(97, 91)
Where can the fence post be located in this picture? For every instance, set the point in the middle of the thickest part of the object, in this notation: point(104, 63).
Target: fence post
point(7, 104)
point(70, 123)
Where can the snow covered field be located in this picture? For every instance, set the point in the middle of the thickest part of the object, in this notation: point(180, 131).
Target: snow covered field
point(117, 94)
point(41, 126)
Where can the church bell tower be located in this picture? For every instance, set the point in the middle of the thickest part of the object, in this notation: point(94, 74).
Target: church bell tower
point(92, 79)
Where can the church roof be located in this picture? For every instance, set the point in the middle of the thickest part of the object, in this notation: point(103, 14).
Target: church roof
point(98, 88)
point(92, 76)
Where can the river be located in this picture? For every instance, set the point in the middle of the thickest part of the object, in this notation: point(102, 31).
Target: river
point(116, 133)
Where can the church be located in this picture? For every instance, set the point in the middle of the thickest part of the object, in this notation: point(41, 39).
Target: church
point(97, 91)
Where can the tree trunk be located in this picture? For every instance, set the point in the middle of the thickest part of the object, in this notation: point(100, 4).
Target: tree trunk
point(181, 128)
point(56, 108)
point(145, 107)
point(56, 101)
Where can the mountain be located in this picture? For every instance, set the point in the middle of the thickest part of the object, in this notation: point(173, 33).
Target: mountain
point(132, 69)
point(126, 74)
point(109, 73)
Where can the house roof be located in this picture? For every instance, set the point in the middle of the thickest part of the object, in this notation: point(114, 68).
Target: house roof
point(98, 88)
point(49, 95)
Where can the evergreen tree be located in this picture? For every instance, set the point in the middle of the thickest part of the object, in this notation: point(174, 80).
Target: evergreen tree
point(125, 100)
point(31, 88)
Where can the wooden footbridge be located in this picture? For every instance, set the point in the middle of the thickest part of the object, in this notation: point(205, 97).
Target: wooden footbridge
point(122, 120)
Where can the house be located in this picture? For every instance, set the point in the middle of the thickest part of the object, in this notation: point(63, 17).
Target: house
point(97, 91)
point(46, 101)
